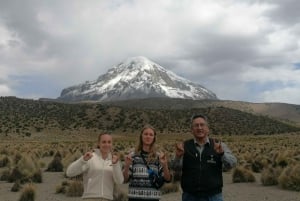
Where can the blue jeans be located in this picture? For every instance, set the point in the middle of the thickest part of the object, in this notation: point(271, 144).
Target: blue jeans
point(190, 197)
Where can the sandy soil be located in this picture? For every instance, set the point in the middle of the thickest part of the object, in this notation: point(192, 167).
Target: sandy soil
point(232, 191)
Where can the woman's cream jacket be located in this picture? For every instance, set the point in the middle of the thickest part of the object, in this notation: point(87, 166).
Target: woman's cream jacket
point(99, 175)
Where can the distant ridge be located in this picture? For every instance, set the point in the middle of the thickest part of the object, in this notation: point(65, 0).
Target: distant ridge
point(136, 78)
point(34, 119)
point(289, 113)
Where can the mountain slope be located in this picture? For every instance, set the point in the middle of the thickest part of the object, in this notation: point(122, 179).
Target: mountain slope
point(137, 77)
point(30, 118)
point(289, 113)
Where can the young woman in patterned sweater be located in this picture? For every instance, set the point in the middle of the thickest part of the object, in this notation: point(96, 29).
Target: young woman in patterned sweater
point(136, 171)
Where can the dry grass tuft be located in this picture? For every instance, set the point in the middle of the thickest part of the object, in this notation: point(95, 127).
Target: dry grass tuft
point(4, 175)
point(75, 188)
point(290, 178)
point(62, 188)
point(16, 187)
point(56, 165)
point(241, 174)
point(28, 193)
point(4, 161)
point(269, 176)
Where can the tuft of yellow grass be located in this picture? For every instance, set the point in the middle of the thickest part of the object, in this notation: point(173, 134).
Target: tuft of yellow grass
point(28, 193)
point(290, 178)
point(269, 175)
point(241, 174)
point(75, 188)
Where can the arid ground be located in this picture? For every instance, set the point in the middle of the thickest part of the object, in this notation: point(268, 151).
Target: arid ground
point(232, 191)
point(256, 153)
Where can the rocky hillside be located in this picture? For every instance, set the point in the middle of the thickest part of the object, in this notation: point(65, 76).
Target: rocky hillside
point(25, 118)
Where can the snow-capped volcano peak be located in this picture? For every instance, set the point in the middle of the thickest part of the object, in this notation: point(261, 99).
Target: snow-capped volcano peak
point(139, 62)
point(136, 77)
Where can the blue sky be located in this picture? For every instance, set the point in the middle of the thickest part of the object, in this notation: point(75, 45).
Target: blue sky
point(245, 50)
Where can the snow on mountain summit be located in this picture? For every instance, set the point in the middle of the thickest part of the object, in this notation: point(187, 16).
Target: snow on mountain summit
point(135, 78)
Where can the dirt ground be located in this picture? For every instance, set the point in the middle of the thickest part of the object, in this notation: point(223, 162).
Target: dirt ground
point(232, 191)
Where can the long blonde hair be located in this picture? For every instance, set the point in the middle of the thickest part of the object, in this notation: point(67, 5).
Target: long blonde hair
point(152, 153)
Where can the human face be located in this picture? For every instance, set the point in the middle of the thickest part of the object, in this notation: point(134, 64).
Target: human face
point(105, 143)
point(148, 137)
point(200, 129)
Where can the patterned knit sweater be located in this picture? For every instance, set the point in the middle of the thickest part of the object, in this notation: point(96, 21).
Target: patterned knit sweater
point(140, 186)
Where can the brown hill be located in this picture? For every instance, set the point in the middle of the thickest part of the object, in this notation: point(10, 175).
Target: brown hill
point(33, 118)
point(288, 113)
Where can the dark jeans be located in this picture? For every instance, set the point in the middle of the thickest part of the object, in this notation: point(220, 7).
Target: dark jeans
point(190, 197)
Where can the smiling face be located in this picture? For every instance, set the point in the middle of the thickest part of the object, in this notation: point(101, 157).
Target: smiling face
point(200, 129)
point(105, 143)
point(148, 137)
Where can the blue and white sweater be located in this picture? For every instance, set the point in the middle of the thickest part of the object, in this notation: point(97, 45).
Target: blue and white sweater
point(140, 186)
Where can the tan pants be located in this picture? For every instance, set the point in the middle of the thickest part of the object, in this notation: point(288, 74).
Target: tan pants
point(95, 199)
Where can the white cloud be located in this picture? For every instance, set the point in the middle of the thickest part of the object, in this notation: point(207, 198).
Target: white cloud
point(241, 50)
point(283, 74)
point(284, 95)
point(5, 90)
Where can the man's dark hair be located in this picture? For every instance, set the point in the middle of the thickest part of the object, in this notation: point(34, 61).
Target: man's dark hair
point(195, 116)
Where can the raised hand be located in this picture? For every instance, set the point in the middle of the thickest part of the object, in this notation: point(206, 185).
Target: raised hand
point(179, 150)
point(218, 146)
point(114, 159)
point(88, 155)
point(128, 160)
point(163, 158)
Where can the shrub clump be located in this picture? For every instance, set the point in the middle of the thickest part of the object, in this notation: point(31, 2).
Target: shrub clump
point(16, 187)
point(241, 174)
point(26, 170)
point(4, 161)
point(75, 188)
point(56, 165)
point(72, 188)
point(290, 178)
point(269, 176)
point(28, 193)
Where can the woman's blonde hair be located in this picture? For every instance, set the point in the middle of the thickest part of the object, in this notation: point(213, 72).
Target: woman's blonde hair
point(99, 138)
point(152, 153)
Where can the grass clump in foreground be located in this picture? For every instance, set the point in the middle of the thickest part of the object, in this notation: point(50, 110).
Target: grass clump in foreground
point(28, 193)
point(290, 178)
point(242, 174)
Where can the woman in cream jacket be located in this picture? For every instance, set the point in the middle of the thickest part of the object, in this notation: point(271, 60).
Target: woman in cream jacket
point(100, 169)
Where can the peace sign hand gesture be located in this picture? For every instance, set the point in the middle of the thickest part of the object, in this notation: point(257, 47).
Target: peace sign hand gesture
point(163, 158)
point(218, 146)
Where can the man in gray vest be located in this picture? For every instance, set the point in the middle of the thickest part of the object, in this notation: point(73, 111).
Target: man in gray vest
point(201, 161)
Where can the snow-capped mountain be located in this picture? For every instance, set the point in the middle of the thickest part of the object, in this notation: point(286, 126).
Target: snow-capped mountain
point(136, 78)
